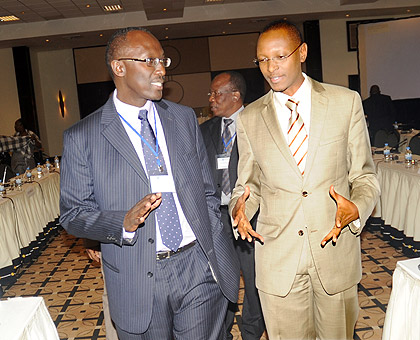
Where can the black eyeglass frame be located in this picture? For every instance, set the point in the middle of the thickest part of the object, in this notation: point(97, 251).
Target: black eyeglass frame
point(151, 62)
point(276, 59)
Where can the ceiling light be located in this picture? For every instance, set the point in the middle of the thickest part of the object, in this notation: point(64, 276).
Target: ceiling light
point(101, 35)
point(47, 40)
point(229, 23)
point(408, 10)
point(112, 8)
point(87, 6)
point(9, 18)
point(347, 15)
point(164, 9)
point(166, 28)
point(212, 1)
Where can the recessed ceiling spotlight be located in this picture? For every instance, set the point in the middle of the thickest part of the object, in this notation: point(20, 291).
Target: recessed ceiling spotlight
point(164, 9)
point(223, 32)
point(101, 35)
point(408, 10)
point(347, 15)
point(212, 1)
point(87, 6)
point(166, 28)
point(229, 23)
point(47, 40)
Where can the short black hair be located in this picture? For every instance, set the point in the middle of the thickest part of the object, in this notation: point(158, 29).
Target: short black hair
point(238, 82)
point(115, 43)
point(287, 25)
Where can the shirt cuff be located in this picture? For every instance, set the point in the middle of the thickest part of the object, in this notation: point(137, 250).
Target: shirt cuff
point(129, 235)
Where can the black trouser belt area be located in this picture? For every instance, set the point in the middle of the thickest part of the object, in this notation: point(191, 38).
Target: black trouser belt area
point(166, 254)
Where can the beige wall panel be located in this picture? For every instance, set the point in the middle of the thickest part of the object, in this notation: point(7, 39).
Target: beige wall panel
point(10, 109)
point(188, 89)
point(54, 71)
point(90, 65)
point(187, 55)
point(232, 52)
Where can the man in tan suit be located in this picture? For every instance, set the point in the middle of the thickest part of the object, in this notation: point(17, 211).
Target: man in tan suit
point(313, 203)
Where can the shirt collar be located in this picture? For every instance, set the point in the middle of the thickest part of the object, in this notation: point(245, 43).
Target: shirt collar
point(234, 115)
point(125, 109)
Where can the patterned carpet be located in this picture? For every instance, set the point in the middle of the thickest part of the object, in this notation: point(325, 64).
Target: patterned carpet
point(72, 287)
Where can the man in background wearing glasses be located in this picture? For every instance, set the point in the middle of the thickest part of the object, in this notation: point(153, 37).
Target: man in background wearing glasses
point(135, 176)
point(226, 97)
point(305, 162)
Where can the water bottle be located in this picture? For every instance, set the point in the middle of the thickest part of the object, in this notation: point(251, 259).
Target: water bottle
point(396, 125)
point(56, 162)
point(28, 174)
point(39, 170)
point(18, 181)
point(408, 157)
point(2, 189)
point(387, 153)
point(48, 165)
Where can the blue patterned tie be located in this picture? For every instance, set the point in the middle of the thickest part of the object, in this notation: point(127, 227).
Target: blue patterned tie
point(166, 214)
point(226, 149)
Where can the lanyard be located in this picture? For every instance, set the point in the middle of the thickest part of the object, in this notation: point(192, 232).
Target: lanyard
point(230, 141)
point(154, 151)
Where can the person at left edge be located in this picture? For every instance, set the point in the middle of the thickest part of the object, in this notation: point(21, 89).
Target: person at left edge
point(108, 194)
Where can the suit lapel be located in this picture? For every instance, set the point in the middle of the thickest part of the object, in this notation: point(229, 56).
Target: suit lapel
point(169, 129)
point(114, 132)
point(319, 104)
point(269, 116)
point(216, 134)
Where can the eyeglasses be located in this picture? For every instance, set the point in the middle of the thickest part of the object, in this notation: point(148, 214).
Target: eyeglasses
point(151, 62)
point(219, 93)
point(278, 59)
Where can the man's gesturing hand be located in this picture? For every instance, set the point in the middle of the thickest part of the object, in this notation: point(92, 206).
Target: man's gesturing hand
point(240, 220)
point(138, 214)
point(346, 213)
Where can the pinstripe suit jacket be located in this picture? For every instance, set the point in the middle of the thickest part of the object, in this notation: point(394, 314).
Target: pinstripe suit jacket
point(102, 178)
point(212, 135)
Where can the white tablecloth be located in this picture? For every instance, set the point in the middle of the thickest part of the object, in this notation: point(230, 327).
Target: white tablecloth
point(26, 318)
point(402, 320)
point(399, 204)
point(25, 213)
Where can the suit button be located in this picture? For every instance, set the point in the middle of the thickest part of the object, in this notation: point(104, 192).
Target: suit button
point(300, 232)
point(149, 274)
point(305, 193)
point(151, 240)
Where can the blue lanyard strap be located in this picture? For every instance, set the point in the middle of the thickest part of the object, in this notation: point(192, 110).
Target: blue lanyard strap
point(230, 141)
point(155, 152)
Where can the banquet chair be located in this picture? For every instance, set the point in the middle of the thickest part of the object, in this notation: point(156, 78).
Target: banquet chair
point(415, 144)
point(384, 136)
point(9, 173)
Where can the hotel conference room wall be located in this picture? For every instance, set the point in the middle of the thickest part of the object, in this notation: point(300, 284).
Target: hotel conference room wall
point(337, 64)
point(188, 77)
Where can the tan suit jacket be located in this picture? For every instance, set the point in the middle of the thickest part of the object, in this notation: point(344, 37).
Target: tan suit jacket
point(339, 154)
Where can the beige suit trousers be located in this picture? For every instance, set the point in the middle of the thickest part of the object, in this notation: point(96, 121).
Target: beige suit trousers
point(307, 311)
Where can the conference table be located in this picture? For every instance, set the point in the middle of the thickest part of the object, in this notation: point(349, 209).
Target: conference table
point(399, 204)
point(24, 215)
point(402, 320)
point(26, 318)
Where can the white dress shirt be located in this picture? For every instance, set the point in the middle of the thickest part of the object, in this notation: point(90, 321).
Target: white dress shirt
point(130, 114)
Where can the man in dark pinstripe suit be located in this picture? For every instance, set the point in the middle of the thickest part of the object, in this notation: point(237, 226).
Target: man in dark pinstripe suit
point(155, 290)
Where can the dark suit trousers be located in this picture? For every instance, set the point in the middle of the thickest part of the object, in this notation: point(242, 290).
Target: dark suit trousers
point(187, 301)
point(251, 324)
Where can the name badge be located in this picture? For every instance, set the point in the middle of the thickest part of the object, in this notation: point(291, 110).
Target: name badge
point(163, 183)
point(222, 161)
